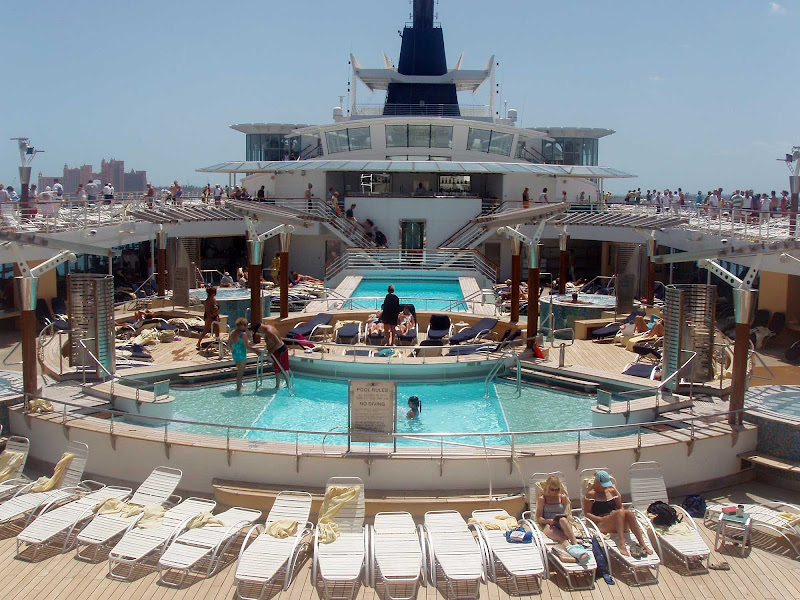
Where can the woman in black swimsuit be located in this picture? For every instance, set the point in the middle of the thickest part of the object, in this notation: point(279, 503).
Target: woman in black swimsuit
point(603, 506)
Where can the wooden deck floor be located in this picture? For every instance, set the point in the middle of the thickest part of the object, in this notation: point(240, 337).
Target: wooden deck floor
point(761, 575)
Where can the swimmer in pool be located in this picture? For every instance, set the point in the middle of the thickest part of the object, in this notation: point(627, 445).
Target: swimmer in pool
point(414, 407)
point(239, 343)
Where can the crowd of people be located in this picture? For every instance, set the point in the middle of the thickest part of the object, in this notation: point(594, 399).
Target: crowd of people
point(745, 204)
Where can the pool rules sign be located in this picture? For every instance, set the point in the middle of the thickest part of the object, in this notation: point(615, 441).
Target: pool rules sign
point(373, 410)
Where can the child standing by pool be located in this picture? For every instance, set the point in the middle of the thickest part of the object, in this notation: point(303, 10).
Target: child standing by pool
point(239, 343)
point(415, 407)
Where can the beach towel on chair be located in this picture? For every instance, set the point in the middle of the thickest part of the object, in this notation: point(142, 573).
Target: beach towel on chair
point(45, 484)
point(335, 499)
point(282, 528)
point(204, 519)
point(9, 464)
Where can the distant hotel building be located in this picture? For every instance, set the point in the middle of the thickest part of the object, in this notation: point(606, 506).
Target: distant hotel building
point(110, 170)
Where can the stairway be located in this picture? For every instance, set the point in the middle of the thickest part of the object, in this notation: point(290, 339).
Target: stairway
point(471, 234)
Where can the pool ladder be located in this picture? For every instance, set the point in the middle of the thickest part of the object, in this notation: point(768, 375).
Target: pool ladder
point(496, 369)
point(289, 377)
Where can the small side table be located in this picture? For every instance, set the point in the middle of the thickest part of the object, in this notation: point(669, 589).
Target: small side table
point(734, 529)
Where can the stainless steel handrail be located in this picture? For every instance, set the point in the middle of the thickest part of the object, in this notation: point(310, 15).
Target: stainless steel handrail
point(163, 421)
point(659, 389)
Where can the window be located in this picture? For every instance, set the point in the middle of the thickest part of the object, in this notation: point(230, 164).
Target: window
point(345, 140)
point(501, 143)
point(486, 140)
point(396, 136)
point(265, 146)
point(337, 141)
point(478, 139)
point(419, 136)
point(571, 151)
point(359, 138)
point(441, 136)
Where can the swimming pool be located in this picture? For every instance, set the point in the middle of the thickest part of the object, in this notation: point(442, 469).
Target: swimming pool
point(321, 405)
point(423, 293)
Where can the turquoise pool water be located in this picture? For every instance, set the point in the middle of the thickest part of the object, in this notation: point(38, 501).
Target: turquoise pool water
point(321, 405)
point(424, 293)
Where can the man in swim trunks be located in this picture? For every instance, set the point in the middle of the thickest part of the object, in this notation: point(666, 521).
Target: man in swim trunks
point(276, 349)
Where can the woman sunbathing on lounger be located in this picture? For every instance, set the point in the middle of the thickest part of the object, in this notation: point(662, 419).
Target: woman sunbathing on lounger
point(603, 506)
point(551, 511)
point(406, 322)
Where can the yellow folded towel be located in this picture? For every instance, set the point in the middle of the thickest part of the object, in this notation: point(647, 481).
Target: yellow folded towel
point(204, 519)
point(283, 528)
point(9, 464)
point(110, 506)
point(152, 517)
point(40, 406)
point(499, 523)
point(791, 518)
point(45, 484)
point(335, 499)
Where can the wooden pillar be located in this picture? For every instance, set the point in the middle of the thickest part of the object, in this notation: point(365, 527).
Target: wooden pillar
point(533, 293)
point(564, 267)
point(30, 373)
point(743, 303)
point(284, 279)
point(516, 277)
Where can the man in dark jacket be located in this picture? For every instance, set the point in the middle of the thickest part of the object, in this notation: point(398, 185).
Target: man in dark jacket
point(389, 313)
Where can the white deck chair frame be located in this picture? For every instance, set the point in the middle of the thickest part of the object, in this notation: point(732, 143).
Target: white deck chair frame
point(26, 503)
point(525, 577)
point(454, 585)
point(645, 570)
point(212, 541)
point(22, 445)
point(766, 520)
point(647, 486)
point(399, 529)
point(295, 506)
point(351, 525)
point(572, 572)
point(157, 488)
point(130, 552)
point(67, 519)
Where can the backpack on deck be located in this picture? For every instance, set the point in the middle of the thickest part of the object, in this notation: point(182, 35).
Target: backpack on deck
point(695, 505)
point(665, 515)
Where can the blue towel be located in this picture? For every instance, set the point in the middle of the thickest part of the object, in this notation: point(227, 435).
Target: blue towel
point(519, 536)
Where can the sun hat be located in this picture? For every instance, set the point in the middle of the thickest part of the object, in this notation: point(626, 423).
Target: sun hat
point(603, 478)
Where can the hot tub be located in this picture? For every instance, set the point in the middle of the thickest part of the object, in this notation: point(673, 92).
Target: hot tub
point(566, 312)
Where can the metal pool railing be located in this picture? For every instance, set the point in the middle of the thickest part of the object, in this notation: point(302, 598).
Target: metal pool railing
point(516, 444)
point(375, 302)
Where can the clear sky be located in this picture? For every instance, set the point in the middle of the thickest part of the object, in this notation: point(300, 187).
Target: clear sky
point(702, 93)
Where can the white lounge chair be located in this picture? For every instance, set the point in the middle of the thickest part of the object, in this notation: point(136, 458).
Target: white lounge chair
point(264, 561)
point(774, 519)
point(15, 480)
point(25, 502)
point(453, 554)
point(395, 555)
point(578, 577)
point(209, 542)
point(643, 570)
point(65, 521)
point(686, 546)
point(340, 563)
point(138, 543)
point(522, 564)
point(102, 529)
